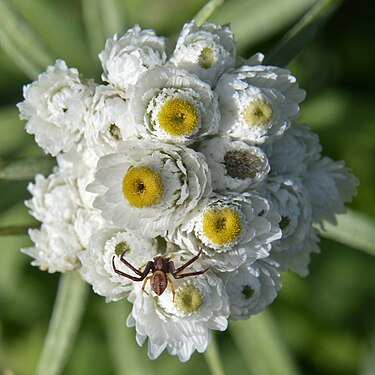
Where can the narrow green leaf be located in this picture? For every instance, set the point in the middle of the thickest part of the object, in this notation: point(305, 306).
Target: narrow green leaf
point(26, 169)
point(59, 27)
point(20, 42)
point(213, 359)
point(125, 352)
point(253, 21)
point(113, 14)
point(261, 346)
point(208, 11)
point(302, 33)
point(353, 229)
point(16, 230)
point(64, 324)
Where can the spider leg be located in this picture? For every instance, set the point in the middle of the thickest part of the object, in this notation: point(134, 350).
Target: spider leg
point(144, 284)
point(187, 264)
point(196, 273)
point(172, 287)
point(142, 275)
point(135, 270)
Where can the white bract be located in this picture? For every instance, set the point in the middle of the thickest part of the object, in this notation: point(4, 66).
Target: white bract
point(174, 106)
point(149, 187)
point(233, 229)
point(125, 57)
point(234, 165)
point(258, 103)
point(97, 268)
point(252, 287)
point(206, 51)
point(184, 325)
point(54, 108)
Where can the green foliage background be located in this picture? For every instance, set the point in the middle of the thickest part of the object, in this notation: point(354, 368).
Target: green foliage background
point(324, 323)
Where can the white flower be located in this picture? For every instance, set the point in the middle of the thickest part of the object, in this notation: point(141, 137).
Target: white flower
point(54, 108)
point(330, 185)
point(289, 198)
point(108, 121)
point(183, 325)
point(233, 228)
point(54, 198)
point(148, 187)
point(56, 247)
point(258, 103)
point(173, 105)
point(295, 151)
point(125, 58)
point(296, 257)
point(207, 50)
point(97, 268)
point(234, 165)
point(252, 287)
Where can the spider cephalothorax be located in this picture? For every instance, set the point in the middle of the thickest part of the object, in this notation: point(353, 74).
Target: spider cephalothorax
point(159, 267)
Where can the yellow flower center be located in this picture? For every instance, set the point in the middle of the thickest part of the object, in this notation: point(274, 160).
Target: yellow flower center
point(206, 58)
point(188, 299)
point(258, 112)
point(122, 247)
point(142, 186)
point(221, 226)
point(178, 117)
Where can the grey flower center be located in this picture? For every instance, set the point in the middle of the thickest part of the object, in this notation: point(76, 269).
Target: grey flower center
point(242, 164)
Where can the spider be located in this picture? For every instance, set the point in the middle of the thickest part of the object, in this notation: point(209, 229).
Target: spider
point(160, 266)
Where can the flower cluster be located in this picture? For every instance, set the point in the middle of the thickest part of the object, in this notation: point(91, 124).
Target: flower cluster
point(184, 153)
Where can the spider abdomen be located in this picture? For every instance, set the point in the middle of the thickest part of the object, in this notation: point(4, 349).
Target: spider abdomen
point(159, 282)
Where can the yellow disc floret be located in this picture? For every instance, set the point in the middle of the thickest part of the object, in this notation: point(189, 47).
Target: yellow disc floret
point(188, 299)
point(258, 112)
point(178, 117)
point(221, 226)
point(206, 58)
point(142, 186)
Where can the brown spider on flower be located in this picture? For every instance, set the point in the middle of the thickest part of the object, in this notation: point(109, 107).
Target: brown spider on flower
point(160, 266)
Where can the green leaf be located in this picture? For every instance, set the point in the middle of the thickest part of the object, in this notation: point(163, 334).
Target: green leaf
point(207, 11)
point(302, 33)
point(261, 346)
point(26, 169)
point(16, 230)
point(66, 317)
point(21, 44)
point(256, 20)
point(353, 229)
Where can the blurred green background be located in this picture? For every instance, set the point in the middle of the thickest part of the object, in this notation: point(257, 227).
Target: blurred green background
point(324, 321)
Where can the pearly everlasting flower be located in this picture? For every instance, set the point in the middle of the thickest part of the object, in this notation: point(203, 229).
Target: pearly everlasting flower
point(234, 165)
point(207, 50)
point(330, 185)
point(258, 103)
point(54, 108)
point(233, 229)
point(108, 121)
point(174, 106)
point(97, 268)
point(293, 153)
point(125, 57)
point(251, 288)
point(149, 187)
point(184, 324)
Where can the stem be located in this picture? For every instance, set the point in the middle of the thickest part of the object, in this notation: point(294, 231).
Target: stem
point(207, 11)
point(213, 358)
point(66, 317)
